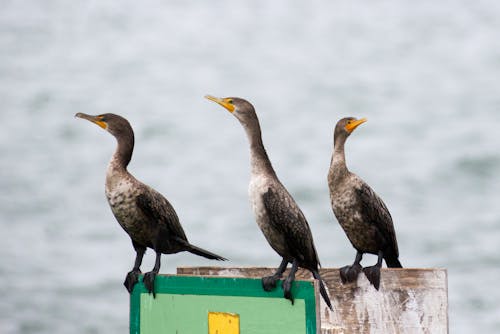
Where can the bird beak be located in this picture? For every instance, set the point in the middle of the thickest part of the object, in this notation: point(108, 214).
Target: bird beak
point(94, 119)
point(354, 124)
point(222, 102)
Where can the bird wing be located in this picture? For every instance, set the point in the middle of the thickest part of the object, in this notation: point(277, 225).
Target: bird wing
point(160, 213)
point(375, 211)
point(286, 217)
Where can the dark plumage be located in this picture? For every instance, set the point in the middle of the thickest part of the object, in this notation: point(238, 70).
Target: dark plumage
point(361, 213)
point(277, 214)
point(147, 216)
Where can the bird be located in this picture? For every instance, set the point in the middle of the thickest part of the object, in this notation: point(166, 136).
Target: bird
point(145, 214)
point(277, 214)
point(361, 213)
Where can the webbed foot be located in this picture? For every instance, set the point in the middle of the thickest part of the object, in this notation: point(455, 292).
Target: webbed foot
point(350, 274)
point(373, 275)
point(149, 282)
point(130, 280)
point(287, 289)
point(269, 282)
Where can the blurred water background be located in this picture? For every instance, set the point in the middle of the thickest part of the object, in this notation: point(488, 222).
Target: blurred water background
point(426, 74)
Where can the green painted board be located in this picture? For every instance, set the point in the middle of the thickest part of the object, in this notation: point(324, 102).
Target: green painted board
point(182, 305)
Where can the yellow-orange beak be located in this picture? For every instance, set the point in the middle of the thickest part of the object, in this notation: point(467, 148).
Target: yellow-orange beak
point(94, 119)
point(226, 103)
point(354, 124)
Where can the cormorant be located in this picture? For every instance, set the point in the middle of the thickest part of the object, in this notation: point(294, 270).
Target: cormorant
point(361, 213)
point(277, 214)
point(147, 216)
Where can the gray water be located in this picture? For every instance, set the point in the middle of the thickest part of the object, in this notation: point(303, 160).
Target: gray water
point(426, 74)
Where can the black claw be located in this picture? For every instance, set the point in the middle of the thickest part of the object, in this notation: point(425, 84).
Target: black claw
point(130, 280)
point(269, 282)
point(350, 274)
point(149, 282)
point(373, 275)
point(287, 290)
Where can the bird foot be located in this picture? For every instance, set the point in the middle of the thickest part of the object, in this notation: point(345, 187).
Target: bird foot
point(269, 282)
point(373, 275)
point(287, 290)
point(149, 282)
point(130, 280)
point(349, 274)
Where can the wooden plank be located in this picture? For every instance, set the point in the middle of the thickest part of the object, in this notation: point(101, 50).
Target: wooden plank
point(409, 300)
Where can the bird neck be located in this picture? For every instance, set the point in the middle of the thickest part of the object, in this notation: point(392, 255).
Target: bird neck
point(123, 153)
point(338, 167)
point(259, 159)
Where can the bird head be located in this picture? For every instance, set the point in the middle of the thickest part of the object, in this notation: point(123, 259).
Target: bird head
point(346, 126)
point(114, 124)
point(240, 108)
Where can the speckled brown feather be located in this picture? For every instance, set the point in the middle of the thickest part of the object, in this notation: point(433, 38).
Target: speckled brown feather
point(362, 214)
point(146, 215)
point(277, 214)
point(288, 220)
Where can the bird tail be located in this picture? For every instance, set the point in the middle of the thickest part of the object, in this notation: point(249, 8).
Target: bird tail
point(201, 252)
point(392, 261)
point(322, 289)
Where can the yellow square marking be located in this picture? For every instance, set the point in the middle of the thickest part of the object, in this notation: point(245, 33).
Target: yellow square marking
point(223, 323)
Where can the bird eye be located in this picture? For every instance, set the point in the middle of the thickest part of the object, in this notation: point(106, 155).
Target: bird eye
point(230, 101)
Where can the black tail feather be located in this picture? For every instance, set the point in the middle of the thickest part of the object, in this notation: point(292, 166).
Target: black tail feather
point(392, 262)
point(201, 252)
point(322, 289)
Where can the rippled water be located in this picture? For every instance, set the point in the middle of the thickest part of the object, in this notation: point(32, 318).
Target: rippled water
point(426, 74)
